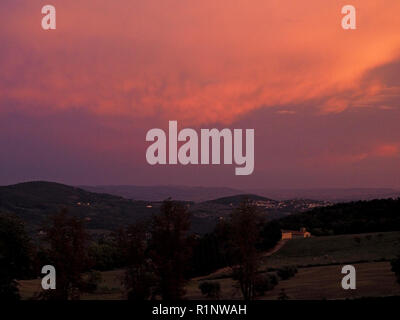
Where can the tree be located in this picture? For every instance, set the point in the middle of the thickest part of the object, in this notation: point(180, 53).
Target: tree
point(396, 268)
point(138, 279)
point(210, 289)
point(106, 253)
point(170, 249)
point(66, 250)
point(15, 256)
point(270, 235)
point(246, 224)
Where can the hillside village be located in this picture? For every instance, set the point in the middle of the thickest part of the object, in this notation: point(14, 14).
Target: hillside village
point(298, 205)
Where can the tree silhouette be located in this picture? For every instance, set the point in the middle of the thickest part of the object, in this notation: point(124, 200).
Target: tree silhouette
point(138, 279)
point(170, 249)
point(14, 256)
point(246, 224)
point(66, 250)
point(396, 268)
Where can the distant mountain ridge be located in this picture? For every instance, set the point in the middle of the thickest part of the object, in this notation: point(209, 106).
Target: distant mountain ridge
point(201, 194)
point(160, 193)
point(236, 199)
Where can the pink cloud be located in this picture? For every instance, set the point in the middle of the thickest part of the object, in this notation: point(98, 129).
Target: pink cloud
point(205, 61)
point(335, 159)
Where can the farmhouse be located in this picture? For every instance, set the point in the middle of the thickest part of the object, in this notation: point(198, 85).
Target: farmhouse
point(292, 234)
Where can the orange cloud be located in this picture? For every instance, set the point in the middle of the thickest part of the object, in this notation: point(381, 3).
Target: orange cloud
point(199, 61)
point(387, 150)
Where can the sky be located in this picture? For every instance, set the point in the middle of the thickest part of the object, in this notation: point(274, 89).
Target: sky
point(76, 102)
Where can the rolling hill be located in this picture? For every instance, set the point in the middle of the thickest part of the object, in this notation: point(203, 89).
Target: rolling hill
point(272, 209)
point(34, 201)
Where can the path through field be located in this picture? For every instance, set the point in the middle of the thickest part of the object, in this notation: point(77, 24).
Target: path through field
point(226, 271)
point(277, 247)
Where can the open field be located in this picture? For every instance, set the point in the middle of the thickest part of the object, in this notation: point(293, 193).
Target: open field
point(110, 287)
point(374, 279)
point(328, 250)
point(337, 249)
point(320, 260)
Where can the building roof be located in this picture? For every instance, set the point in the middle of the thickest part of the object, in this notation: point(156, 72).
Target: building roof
point(295, 232)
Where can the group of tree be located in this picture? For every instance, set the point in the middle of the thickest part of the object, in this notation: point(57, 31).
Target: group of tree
point(155, 255)
point(218, 249)
point(159, 255)
point(66, 248)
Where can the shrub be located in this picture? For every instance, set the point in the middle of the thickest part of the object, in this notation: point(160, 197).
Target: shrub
point(210, 289)
point(287, 272)
point(93, 280)
point(265, 282)
point(283, 295)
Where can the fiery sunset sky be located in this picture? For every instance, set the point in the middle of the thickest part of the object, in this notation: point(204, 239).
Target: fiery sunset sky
point(76, 103)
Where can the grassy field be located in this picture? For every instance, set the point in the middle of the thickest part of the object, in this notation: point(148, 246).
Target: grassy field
point(337, 250)
point(374, 279)
point(319, 260)
point(110, 287)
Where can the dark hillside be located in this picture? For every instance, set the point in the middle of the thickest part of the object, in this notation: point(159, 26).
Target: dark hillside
point(347, 218)
point(33, 201)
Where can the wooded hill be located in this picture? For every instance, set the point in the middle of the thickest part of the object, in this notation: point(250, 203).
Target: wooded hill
point(346, 218)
